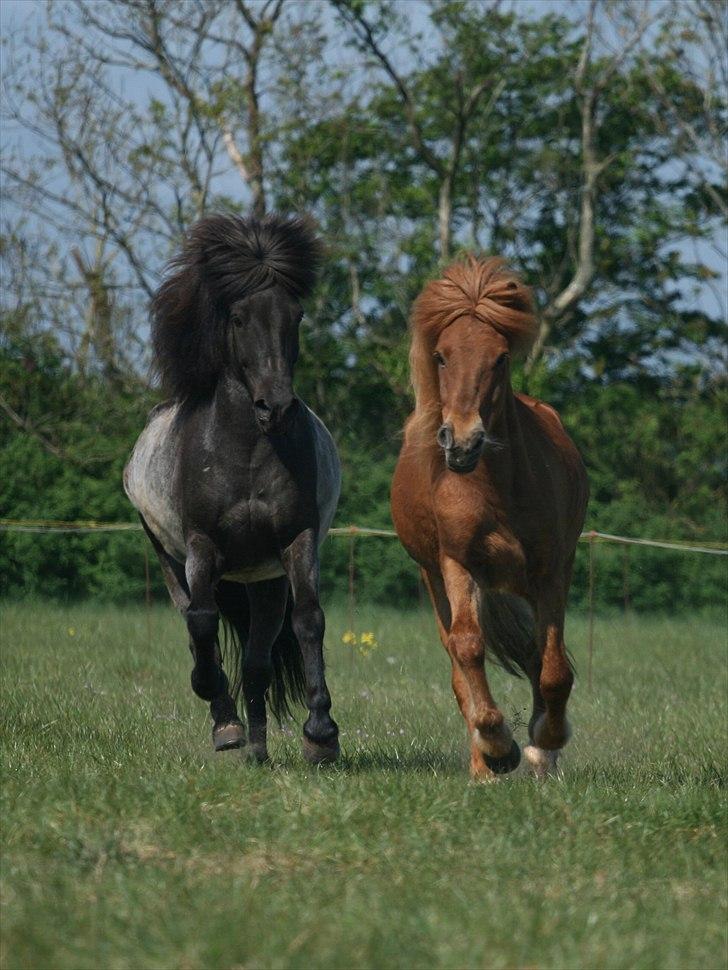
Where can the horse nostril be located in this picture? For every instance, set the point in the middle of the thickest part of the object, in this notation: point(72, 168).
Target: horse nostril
point(444, 437)
point(262, 408)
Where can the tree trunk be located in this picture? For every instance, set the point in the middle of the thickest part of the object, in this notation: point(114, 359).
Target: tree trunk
point(444, 216)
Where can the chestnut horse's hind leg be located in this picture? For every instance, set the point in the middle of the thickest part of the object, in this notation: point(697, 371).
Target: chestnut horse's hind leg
point(489, 732)
point(551, 681)
point(320, 732)
point(208, 678)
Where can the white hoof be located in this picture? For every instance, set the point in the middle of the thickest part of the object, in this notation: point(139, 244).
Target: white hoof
point(542, 762)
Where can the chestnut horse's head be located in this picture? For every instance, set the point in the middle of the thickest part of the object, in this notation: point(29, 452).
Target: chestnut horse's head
point(472, 362)
point(464, 329)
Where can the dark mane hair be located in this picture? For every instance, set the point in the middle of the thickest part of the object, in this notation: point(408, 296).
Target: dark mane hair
point(223, 259)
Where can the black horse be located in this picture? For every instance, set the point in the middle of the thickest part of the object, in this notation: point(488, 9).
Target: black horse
point(235, 480)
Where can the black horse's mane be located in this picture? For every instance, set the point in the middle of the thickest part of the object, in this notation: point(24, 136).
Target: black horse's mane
point(224, 258)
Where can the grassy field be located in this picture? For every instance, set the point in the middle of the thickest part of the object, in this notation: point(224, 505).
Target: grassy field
point(128, 844)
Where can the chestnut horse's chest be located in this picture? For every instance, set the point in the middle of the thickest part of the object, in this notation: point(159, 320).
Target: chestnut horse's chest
point(475, 527)
point(459, 517)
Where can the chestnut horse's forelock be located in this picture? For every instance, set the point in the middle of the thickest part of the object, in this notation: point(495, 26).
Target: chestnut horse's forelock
point(486, 290)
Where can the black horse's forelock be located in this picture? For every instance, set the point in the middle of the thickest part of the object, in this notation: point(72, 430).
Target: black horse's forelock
point(224, 258)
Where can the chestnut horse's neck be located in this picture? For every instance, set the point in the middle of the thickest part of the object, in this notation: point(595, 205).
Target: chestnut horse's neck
point(506, 455)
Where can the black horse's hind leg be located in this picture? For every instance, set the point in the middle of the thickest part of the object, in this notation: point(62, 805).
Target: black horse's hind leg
point(172, 571)
point(208, 678)
point(267, 610)
point(320, 732)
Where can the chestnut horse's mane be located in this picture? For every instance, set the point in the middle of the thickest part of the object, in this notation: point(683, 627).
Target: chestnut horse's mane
point(486, 290)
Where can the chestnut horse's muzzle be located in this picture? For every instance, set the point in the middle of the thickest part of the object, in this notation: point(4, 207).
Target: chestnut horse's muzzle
point(461, 457)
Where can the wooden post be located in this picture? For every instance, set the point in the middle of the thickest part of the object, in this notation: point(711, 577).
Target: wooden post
point(625, 578)
point(591, 611)
point(352, 598)
point(147, 596)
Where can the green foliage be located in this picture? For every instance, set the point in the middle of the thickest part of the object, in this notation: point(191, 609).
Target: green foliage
point(654, 454)
point(79, 479)
point(634, 367)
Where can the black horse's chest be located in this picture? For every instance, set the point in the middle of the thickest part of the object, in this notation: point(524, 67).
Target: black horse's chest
point(252, 493)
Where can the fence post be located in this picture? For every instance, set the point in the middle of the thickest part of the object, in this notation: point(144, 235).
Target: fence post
point(352, 599)
point(591, 611)
point(625, 579)
point(147, 595)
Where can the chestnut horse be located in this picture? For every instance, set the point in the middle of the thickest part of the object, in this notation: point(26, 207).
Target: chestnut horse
point(489, 497)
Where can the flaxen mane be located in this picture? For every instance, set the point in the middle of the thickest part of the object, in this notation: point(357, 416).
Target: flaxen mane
point(486, 290)
point(224, 258)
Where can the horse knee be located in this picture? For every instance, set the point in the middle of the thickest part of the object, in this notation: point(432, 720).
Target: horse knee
point(202, 625)
point(466, 648)
point(307, 621)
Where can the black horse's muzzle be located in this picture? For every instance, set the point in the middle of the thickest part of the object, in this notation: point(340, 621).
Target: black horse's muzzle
point(275, 416)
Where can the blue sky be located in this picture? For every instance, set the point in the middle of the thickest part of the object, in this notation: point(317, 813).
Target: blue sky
point(16, 16)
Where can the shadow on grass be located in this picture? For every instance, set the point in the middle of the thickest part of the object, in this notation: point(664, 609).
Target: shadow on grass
point(427, 759)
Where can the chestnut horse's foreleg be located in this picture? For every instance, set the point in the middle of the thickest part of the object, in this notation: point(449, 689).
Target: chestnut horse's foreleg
point(267, 611)
point(320, 732)
point(548, 729)
point(489, 732)
point(479, 769)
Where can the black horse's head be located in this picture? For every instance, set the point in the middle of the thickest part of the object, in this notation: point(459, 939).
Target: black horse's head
point(232, 305)
point(264, 351)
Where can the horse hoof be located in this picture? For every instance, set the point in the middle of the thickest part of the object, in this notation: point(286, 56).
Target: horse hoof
point(501, 766)
point(541, 761)
point(258, 752)
point(225, 737)
point(320, 754)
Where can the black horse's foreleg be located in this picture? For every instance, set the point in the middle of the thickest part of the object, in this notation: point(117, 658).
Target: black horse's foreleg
point(202, 617)
point(320, 732)
point(267, 611)
point(208, 678)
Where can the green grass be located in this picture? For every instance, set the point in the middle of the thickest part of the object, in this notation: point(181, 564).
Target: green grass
point(128, 844)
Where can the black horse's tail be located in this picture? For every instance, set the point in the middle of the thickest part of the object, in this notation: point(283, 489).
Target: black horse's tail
point(288, 684)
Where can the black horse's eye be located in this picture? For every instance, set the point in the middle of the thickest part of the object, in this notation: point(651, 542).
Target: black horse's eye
point(439, 358)
point(237, 321)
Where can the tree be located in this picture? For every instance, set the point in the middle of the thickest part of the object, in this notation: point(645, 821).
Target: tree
point(583, 143)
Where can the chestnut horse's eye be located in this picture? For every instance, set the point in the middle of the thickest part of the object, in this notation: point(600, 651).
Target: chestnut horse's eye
point(501, 360)
point(439, 358)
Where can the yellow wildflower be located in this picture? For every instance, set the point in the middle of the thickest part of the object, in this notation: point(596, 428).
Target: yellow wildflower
point(349, 637)
point(369, 639)
point(71, 631)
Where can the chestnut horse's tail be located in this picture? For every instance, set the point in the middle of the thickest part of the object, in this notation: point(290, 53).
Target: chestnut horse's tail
point(510, 632)
point(288, 685)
